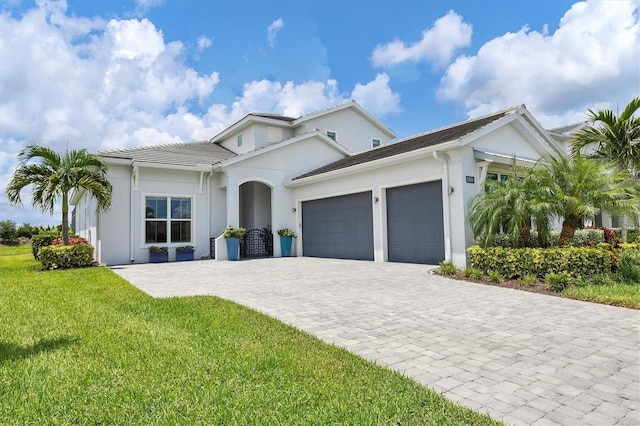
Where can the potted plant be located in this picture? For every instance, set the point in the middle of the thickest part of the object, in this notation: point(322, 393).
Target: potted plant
point(233, 236)
point(184, 253)
point(286, 238)
point(158, 254)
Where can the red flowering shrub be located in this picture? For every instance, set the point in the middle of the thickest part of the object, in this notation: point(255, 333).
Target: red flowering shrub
point(72, 241)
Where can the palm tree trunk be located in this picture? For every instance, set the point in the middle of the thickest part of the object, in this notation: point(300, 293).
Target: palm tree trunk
point(567, 233)
point(525, 234)
point(65, 218)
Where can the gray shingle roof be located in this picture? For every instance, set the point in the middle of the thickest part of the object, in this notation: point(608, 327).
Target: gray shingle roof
point(182, 154)
point(413, 143)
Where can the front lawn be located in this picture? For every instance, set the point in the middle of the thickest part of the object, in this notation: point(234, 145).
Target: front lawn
point(85, 347)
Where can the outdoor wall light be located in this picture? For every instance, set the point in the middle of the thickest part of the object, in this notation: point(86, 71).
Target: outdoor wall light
point(293, 209)
point(376, 199)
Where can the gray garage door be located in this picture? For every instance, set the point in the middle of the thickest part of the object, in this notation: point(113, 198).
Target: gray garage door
point(338, 227)
point(415, 230)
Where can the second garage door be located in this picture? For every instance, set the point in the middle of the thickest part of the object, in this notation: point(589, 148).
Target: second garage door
point(415, 230)
point(338, 227)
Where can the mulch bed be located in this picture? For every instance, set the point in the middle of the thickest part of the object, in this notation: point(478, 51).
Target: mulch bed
point(537, 287)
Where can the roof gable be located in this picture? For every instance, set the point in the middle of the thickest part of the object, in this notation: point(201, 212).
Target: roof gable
point(413, 143)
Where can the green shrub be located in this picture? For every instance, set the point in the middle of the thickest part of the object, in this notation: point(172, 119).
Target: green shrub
point(517, 262)
point(230, 232)
point(629, 266)
point(41, 240)
point(447, 268)
point(473, 273)
point(63, 257)
point(8, 231)
point(495, 276)
point(599, 280)
point(557, 282)
point(527, 280)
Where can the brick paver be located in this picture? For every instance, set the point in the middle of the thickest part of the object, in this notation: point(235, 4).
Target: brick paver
point(522, 357)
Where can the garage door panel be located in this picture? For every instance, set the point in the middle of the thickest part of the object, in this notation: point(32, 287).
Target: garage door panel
point(338, 227)
point(415, 229)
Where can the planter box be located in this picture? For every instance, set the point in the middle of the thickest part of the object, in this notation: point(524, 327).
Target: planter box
point(233, 248)
point(285, 245)
point(184, 255)
point(161, 257)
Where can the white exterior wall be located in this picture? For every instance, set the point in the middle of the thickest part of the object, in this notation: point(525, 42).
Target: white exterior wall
point(353, 131)
point(113, 226)
point(273, 169)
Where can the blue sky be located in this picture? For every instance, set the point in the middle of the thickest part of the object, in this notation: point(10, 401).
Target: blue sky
point(114, 74)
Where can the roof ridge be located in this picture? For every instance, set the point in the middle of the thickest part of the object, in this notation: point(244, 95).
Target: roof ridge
point(460, 123)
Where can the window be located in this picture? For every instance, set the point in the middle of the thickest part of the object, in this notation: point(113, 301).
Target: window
point(375, 142)
point(332, 135)
point(167, 219)
point(239, 140)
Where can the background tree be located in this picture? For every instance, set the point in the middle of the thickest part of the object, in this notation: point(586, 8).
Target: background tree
point(53, 177)
point(613, 138)
point(579, 188)
point(8, 232)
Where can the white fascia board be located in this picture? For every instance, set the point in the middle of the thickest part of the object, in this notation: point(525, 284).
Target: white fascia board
point(524, 121)
point(483, 131)
point(118, 161)
point(539, 133)
point(280, 145)
point(76, 195)
point(247, 121)
point(502, 158)
point(196, 168)
point(351, 104)
point(375, 164)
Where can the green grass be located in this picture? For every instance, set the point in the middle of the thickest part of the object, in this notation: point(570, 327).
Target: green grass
point(85, 347)
point(612, 293)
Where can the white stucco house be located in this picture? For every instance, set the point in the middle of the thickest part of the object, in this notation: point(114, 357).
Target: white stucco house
point(337, 177)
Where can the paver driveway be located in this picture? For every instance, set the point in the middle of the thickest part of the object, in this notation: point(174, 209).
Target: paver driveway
point(524, 358)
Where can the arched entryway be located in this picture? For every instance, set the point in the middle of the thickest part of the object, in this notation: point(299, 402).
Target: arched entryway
point(255, 217)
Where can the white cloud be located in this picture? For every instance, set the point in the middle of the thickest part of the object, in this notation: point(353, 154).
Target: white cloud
point(203, 43)
point(437, 45)
point(115, 84)
point(376, 96)
point(142, 6)
point(272, 31)
point(592, 58)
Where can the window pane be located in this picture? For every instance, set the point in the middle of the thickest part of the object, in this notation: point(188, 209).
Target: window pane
point(492, 176)
point(376, 142)
point(155, 207)
point(180, 232)
point(181, 208)
point(332, 135)
point(156, 231)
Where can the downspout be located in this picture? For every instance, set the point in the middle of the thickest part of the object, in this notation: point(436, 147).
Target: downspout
point(444, 159)
point(132, 188)
point(209, 176)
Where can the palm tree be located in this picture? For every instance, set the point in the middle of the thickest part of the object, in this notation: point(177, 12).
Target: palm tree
point(510, 206)
point(614, 139)
point(579, 188)
point(55, 176)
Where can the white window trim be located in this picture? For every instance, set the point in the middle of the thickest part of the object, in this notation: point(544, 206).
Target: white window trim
point(334, 134)
point(239, 140)
point(376, 139)
point(169, 244)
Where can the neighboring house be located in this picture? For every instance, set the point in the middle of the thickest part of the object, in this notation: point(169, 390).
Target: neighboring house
point(334, 176)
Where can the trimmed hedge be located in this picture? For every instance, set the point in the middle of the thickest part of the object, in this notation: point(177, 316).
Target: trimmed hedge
point(517, 262)
point(63, 257)
point(39, 241)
